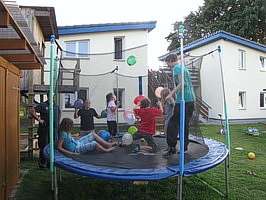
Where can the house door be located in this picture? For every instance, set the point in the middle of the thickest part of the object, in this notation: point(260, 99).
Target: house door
point(2, 136)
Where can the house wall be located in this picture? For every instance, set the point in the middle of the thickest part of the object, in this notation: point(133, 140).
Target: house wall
point(99, 86)
point(252, 80)
point(211, 81)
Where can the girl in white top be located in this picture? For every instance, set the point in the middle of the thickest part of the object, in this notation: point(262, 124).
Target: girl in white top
point(111, 113)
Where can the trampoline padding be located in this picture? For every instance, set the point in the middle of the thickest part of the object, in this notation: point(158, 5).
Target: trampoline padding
point(122, 166)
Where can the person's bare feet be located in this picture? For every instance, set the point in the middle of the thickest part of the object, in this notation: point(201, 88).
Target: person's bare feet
point(111, 149)
point(113, 144)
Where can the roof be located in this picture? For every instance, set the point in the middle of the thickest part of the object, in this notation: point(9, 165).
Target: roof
point(220, 35)
point(47, 20)
point(17, 44)
point(95, 28)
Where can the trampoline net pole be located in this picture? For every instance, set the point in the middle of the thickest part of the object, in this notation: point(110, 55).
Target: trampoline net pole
point(182, 104)
point(117, 99)
point(227, 131)
point(51, 113)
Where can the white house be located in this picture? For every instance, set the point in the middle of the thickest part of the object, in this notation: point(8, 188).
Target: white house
point(244, 72)
point(99, 49)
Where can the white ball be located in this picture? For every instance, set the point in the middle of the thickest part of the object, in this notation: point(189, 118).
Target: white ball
point(129, 117)
point(127, 139)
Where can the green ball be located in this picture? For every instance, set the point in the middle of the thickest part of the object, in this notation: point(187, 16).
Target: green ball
point(131, 60)
point(132, 130)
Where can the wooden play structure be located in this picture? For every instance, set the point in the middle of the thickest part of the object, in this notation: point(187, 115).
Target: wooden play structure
point(18, 51)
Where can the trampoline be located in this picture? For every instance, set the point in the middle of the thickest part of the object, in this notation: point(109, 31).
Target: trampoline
point(122, 164)
point(125, 164)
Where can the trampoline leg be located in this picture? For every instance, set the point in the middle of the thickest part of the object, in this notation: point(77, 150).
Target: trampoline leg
point(179, 187)
point(52, 181)
point(55, 185)
point(226, 169)
point(60, 175)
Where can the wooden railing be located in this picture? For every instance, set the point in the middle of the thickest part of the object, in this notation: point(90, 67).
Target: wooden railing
point(163, 77)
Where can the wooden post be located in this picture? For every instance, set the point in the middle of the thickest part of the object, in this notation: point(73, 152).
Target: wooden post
point(76, 75)
point(32, 120)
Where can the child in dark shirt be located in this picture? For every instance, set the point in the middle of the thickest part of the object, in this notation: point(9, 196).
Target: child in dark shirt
point(86, 115)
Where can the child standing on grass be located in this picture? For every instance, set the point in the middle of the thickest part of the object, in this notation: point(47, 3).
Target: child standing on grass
point(147, 116)
point(111, 113)
point(70, 145)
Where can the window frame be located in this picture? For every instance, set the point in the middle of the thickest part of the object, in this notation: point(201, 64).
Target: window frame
point(244, 100)
point(71, 100)
point(75, 97)
point(262, 63)
point(242, 59)
point(122, 49)
point(264, 99)
point(77, 48)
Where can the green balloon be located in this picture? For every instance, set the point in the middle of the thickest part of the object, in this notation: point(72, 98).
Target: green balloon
point(132, 130)
point(131, 60)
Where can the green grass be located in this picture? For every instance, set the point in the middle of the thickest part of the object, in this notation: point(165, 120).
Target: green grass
point(36, 182)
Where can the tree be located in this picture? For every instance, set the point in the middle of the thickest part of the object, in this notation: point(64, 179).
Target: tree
point(246, 18)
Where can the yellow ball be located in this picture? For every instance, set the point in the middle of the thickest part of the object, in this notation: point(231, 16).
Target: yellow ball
point(251, 156)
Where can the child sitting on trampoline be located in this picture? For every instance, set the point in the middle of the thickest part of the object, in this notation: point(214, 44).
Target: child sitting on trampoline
point(147, 116)
point(70, 144)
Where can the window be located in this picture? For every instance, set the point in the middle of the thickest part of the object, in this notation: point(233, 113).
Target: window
point(77, 49)
point(70, 47)
point(43, 50)
point(263, 63)
point(263, 99)
point(82, 94)
point(242, 100)
point(83, 48)
point(242, 59)
point(70, 98)
point(120, 97)
point(119, 43)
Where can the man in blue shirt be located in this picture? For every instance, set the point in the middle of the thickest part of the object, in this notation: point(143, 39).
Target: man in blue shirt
point(189, 97)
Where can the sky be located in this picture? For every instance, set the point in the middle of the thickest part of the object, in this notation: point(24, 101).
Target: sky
point(165, 12)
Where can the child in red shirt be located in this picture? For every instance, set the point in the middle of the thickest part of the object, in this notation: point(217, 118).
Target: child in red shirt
point(147, 116)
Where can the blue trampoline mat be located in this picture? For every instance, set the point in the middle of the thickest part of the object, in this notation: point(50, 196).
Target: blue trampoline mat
point(217, 152)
